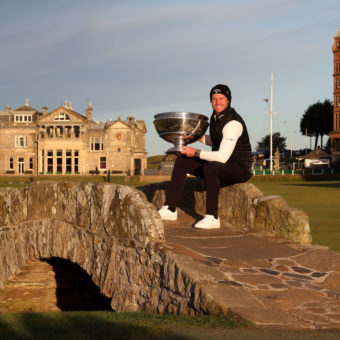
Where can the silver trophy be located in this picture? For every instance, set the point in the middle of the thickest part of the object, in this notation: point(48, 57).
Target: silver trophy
point(180, 128)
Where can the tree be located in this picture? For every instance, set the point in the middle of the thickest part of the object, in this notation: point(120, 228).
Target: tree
point(317, 120)
point(278, 142)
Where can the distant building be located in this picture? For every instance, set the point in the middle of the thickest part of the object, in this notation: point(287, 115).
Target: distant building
point(66, 142)
point(316, 158)
point(335, 134)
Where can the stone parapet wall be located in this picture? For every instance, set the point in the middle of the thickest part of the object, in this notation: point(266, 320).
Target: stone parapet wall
point(110, 231)
point(241, 206)
point(117, 237)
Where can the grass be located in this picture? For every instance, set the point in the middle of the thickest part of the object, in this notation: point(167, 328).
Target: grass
point(139, 325)
point(19, 181)
point(104, 325)
point(319, 199)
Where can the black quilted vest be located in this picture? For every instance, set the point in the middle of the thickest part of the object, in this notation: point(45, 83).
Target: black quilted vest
point(242, 151)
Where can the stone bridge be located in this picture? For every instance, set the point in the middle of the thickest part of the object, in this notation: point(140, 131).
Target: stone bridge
point(115, 234)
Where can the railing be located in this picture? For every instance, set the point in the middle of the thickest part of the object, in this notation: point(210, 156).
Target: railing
point(303, 172)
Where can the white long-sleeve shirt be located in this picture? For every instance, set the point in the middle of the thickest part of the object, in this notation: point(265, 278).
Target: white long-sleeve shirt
point(231, 133)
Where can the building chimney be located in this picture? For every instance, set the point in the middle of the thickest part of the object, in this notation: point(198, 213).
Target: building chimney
point(141, 125)
point(7, 108)
point(131, 120)
point(70, 105)
point(44, 110)
point(65, 104)
point(89, 111)
point(27, 103)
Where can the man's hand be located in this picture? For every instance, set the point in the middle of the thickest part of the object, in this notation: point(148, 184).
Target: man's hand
point(188, 151)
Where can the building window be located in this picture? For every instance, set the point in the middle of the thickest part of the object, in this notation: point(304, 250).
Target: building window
point(76, 161)
point(102, 164)
point(42, 161)
point(62, 116)
point(50, 130)
point(23, 118)
point(31, 163)
point(11, 165)
point(59, 161)
point(50, 161)
point(76, 131)
point(68, 160)
point(20, 141)
point(96, 144)
point(59, 131)
point(118, 150)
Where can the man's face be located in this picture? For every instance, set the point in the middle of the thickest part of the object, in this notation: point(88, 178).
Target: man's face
point(219, 102)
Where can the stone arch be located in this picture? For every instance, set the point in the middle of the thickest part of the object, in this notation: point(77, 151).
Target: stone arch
point(108, 230)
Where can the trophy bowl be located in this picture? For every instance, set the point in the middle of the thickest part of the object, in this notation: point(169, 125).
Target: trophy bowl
point(180, 128)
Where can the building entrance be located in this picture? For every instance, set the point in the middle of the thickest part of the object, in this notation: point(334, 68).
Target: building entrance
point(21, 164)
point(138, 164)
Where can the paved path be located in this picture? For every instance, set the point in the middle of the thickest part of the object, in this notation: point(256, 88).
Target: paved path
point(271, 282)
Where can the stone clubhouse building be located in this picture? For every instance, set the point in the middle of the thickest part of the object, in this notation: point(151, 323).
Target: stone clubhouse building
point(64, 141)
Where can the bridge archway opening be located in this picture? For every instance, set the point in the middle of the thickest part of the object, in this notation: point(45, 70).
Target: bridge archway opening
point(75, 291)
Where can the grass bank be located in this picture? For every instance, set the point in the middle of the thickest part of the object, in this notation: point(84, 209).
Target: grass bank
point(138, 326)
point(319, 199)
point(104, 325)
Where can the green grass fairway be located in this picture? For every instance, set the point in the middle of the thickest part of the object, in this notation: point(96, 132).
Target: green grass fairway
point(142, 326)
point(319, 199)
point(104, 325)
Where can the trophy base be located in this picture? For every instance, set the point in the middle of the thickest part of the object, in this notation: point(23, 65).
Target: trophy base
point(177, 150)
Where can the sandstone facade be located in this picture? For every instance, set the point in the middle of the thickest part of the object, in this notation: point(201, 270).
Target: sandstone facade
point(65, 142)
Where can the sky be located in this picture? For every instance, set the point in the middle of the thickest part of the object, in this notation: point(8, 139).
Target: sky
point(143, 57)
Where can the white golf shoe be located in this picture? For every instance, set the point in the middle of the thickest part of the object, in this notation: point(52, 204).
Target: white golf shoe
point(167, 214)
point(208, 222)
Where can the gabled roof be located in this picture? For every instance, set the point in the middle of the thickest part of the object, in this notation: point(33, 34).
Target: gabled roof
point(63, 109)
point(26, 108)
point(119, 122)
point(316, 154)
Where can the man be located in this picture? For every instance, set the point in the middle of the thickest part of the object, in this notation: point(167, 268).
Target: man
point(228, 163)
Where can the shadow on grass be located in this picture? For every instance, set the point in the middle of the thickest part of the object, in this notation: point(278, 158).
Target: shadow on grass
point(114, 326)
point(73, 326)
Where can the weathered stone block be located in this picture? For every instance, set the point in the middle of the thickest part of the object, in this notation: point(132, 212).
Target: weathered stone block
point(13, 206)
point(241, 205)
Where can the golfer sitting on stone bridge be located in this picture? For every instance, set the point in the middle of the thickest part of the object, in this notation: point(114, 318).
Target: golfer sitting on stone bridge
point(228, 163)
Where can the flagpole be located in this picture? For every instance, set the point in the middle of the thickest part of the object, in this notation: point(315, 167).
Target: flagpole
point(271, 120)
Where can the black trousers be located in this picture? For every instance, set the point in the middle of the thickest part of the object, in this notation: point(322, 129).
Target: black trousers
point(215, 174)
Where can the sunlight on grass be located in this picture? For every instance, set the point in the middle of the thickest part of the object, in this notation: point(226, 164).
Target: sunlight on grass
point(320, 200)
